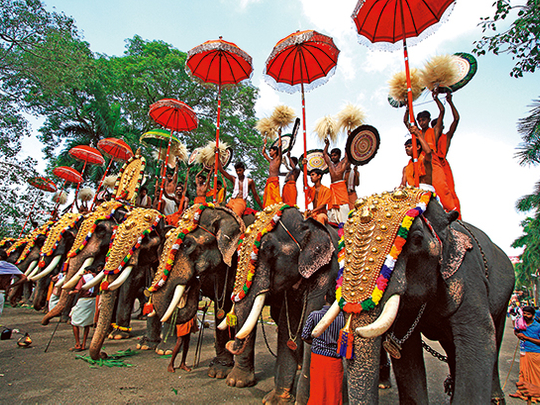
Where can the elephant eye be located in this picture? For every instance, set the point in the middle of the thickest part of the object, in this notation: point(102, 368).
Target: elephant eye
point(416, 238)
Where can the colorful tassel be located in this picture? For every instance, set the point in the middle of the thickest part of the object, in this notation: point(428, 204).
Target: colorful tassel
point(346, 340)
point(231, 318)
point(148, 307)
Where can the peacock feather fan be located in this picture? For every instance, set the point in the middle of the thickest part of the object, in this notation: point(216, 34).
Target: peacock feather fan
point(439, 71)
point(267, 128)
point(283, 116)
point(350, 118)
point(207, 156)
point(60, 197)
point(398, 86)
point(326, 127)
point(86, 194)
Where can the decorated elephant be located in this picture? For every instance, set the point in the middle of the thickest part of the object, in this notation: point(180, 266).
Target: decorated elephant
point(202, 247)
point(408, 267)
point(289, 263)
point(131, 260)
point(88, 250)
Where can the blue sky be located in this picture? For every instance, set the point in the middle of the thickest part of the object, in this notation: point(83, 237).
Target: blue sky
point(488, 178)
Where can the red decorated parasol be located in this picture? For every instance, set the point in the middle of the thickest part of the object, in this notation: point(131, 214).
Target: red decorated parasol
point(116, 149)
point(68, 174)
point(385, 23)
point(41, 183)
point(88, 155)
point(176, 116)
point(300, 62)
point(221, 63)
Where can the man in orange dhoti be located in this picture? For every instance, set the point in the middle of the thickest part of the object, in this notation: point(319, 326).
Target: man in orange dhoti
point(424, 163)
point(352, 179)
point(289, 188)
point(201, 184)
point(529, 362)
point(221, 192)
point(339, 204)
point(320, 196)
point(271, 190)
point(242, 186)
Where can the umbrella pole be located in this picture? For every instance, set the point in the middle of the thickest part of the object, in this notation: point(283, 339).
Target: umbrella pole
point(79, 184)
point(100, 184)
point(217, 144)
point(58, 200)
point(27, 218)
point(305, 145)
point(409, 98)
point(165, 170)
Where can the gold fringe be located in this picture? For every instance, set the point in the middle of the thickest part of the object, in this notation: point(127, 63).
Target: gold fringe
point(350, 118)
point(398, 86)
point(439, 71)
point(326, 127)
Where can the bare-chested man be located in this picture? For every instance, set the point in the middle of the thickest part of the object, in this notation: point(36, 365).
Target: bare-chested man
point(290, 193)
point(242, 186)
point(339, 204)
point(271, 190)
point(352, 179)
point(169, 205)
point(201, 183)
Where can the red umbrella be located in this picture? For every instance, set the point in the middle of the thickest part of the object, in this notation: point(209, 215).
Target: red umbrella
point(387, 22)
point(176, 116)
point(87, 154)
point(116, 149)
point(68, 174)
point(41, 183)
point(219, 62)
point(300, 62)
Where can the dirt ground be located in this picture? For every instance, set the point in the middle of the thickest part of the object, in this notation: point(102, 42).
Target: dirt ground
point(31, 376)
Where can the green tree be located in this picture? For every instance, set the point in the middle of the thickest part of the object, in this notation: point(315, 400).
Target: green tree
point(521, 39)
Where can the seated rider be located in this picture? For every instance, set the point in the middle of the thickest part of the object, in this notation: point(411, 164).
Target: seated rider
point(320, 196)
point(242, 186)
point(424, 162)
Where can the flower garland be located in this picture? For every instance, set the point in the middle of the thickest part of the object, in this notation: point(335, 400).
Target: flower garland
point(242, 292)
point(179, 240)
point(6, 240)
point(72, 221)
point(105, 283)
point(388, 266)
point(121, 328)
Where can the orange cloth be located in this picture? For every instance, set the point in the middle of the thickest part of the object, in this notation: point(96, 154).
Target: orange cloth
point(187, 328)
point(324, 196)
point(220, 195)
point(173, 218)
point(429, 136)
point(442, 152)
point(290, 193)
point(238, 205)
point(199, 200)
point(271, 192)
point(352, 199)
point(529, 371)
point(409, 169)
point(325, 380)
point(340, 196)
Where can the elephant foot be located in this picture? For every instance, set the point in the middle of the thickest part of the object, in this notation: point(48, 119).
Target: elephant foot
point(273, 398)
point(499, 401)
point(119, 334)
point(164, 348)
point(220, 368)
point(147, 344)
point(240, 378)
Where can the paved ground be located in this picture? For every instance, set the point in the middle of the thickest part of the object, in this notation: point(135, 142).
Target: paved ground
point(30, 376)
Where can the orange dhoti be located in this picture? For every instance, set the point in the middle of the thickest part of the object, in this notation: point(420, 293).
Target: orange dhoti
point(441, 186)
point(238, 205)
point(199, 200)
point(529, 371)
point(220, 195)
point(187, 328)
point(290, 193)
point(339, 202)
point(325, 380)
point(271, 192)
point(352, 199)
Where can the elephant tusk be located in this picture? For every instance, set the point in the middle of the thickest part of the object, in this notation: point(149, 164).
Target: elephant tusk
point(151, 314)
point(383, 322)
point(34, 271)
point(72, 282)
point(31, 267)
point(121, 278)
point(95, 281)
point(326, 320)
point(251, 320)
point(223, 324)
point(60, 282)
point(48, 270)
point(178, 292)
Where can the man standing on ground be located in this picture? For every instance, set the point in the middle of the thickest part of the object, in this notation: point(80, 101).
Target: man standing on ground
point(339, 204)
point(7, 272)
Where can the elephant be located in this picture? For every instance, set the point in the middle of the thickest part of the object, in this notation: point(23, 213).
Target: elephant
point(130, 264)
point(207, 253)
point(88, 250)
point(295, 268)
point(450, 282)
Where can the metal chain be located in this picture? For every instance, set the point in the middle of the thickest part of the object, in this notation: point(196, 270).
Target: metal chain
point(434, 352)
point(479, 247)
point(299, 322)
point(265, 338)
point(411, 329)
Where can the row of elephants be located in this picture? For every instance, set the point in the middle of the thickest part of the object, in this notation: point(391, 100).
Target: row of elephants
point(453, 283)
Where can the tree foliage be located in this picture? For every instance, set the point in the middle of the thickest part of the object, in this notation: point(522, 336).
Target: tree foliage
point(521, 39)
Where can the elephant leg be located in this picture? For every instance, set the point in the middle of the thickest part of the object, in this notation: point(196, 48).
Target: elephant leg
point(153, 332)
point(126, 299)
point(384, 371)
point(222, 364)
point(243, 372)
point(497, 395)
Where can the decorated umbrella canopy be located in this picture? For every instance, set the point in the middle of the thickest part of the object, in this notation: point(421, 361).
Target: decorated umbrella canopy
point(88, 155)
point(176, 116)
point(41, 183)
point(385, 23)
point(116, 149)
point(221, 63)
point(159, 138)
point(300, 62)
point(68, 174)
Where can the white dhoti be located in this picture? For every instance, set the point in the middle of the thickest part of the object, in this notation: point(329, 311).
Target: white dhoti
point(82, 314)
point(2, 293)
point(53, 301)
point(170, 206)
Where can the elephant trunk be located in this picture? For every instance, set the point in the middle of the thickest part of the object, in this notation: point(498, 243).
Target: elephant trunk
point(241, 339)
point(105, 316)
point(64, 301)
point(40, 293)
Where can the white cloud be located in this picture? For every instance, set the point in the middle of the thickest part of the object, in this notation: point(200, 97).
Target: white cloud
point(268, 99)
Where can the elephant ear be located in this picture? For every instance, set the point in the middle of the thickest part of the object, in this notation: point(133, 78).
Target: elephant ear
point(317, 248)
point(455, 247)
point(229, 229)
